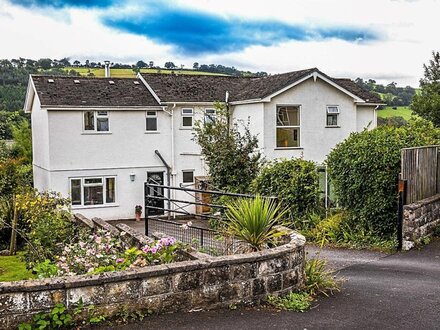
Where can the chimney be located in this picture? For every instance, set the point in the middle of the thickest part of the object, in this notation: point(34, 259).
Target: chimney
point(107, 69)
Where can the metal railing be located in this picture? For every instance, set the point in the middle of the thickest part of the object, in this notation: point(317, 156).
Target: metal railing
point(176, 218)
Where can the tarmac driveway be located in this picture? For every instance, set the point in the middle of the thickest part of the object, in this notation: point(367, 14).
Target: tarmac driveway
point(399, 291)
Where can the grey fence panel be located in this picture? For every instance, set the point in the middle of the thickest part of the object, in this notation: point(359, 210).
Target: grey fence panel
point(420, 169)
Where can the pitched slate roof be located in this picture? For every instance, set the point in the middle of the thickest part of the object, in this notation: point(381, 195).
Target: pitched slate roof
point(209, 88)
point(98, 92)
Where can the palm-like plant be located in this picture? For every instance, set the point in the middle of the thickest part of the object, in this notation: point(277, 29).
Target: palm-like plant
point(252, 221)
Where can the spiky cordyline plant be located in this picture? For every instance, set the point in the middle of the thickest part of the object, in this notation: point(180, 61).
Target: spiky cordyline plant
point(252, 221)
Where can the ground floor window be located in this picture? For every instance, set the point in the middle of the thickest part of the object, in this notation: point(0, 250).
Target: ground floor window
point(93, 191)
point(188, 176)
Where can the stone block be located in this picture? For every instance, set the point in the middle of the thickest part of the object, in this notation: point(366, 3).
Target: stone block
point(46, 299)
point(215, 276)
point(13, 303)
point(273, 266)
point(155, 286)
point(188, 280)
point(258, 287)
point(243, 271)
point(176, 302)
point(229, 291)
point(90, 295)
point(289, 279)
point(122, 291)
point(204, 297)
point(274, 283)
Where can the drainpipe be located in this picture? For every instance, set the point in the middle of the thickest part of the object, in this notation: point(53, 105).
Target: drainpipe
point(168, 178)
point(173, 158)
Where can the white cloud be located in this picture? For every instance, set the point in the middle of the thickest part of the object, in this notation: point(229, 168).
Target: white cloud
point(409, 29)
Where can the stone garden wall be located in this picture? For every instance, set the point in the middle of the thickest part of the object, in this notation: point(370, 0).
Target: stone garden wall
point(202, 283)
point(419, 220)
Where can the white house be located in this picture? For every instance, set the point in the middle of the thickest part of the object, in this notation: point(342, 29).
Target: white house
point(98, 140)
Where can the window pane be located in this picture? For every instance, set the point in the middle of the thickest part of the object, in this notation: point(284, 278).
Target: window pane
point(209, 119)
point(332, 120)
point(93, 181)
point(151, 124)
point(151, 113)
point(102, 124)
point(89, 121)
point(102, 113)
point(187, 121)
point(288, 116)
point(187, 111)
point(75, 191)
point(287, 137)
point(110, 192)
point(333, 109)
point(93, 195)
point(188, 176)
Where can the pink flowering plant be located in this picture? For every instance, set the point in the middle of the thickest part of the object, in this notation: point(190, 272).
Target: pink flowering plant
point(101, 252)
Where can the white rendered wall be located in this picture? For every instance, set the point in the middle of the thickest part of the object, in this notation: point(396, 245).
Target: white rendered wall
point(40, 146)
point(316, 140)
point(366, 118)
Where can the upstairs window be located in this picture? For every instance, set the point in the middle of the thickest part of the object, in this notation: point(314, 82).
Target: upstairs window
point(92, 191)
point(332, 115)
point(151, 121)
point(288, 126)
point(96, 121)
point(210, 116)
point(187, 117)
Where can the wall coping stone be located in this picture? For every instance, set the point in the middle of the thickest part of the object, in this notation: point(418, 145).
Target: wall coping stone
point(79, 218)
point(106, 226)
point(421, 203)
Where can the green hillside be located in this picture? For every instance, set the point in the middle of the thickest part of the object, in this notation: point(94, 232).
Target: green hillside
point(129, 73)
point(388, 112)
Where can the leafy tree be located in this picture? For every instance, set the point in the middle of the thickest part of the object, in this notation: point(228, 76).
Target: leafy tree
point(23, 141)
point(196, 66)
point(230, 151)
point(141, 64)
point(170, 65)
point(364, 169)
point(7, 121)
point(427, 103)
point(44, 63)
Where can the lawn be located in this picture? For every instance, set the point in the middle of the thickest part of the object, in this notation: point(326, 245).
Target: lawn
point(13, 269)
point(129, 73)
point(387, 112)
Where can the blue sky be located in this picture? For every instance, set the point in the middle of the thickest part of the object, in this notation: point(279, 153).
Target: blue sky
point(381, 39)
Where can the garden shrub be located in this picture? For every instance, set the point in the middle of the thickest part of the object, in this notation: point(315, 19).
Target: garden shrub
point(294, 182)
point(47, 221)
point(364, 171)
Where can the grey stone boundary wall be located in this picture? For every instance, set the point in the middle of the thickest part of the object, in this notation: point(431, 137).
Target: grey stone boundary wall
point(419, 220)
point(202, 283)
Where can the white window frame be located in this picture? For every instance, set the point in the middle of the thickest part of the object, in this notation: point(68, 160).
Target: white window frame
point(329, 113)
point(96, 115)
point(210, 115)
point(193, 176)
point(189, 114)
point(104, 189)
point(298, 106)
point(152, 116)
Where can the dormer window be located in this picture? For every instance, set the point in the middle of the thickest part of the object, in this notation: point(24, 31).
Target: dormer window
point(96, 121)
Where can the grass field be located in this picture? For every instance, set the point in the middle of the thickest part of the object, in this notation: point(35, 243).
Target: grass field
point(387, 112)
point(13, 269)
point(129, 73)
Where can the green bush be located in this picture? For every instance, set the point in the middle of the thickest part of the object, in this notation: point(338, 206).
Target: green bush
point(364, 171)
point(319, 280)
point(298, 302)
point(294, 182)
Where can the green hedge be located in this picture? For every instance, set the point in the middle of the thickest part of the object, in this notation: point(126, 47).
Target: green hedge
point(295, 183)
point(364, 170)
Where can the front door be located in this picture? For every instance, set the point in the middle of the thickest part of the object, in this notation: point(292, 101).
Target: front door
point(155, 178)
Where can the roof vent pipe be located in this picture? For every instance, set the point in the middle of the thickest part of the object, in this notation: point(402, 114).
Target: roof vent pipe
point(107, 69)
